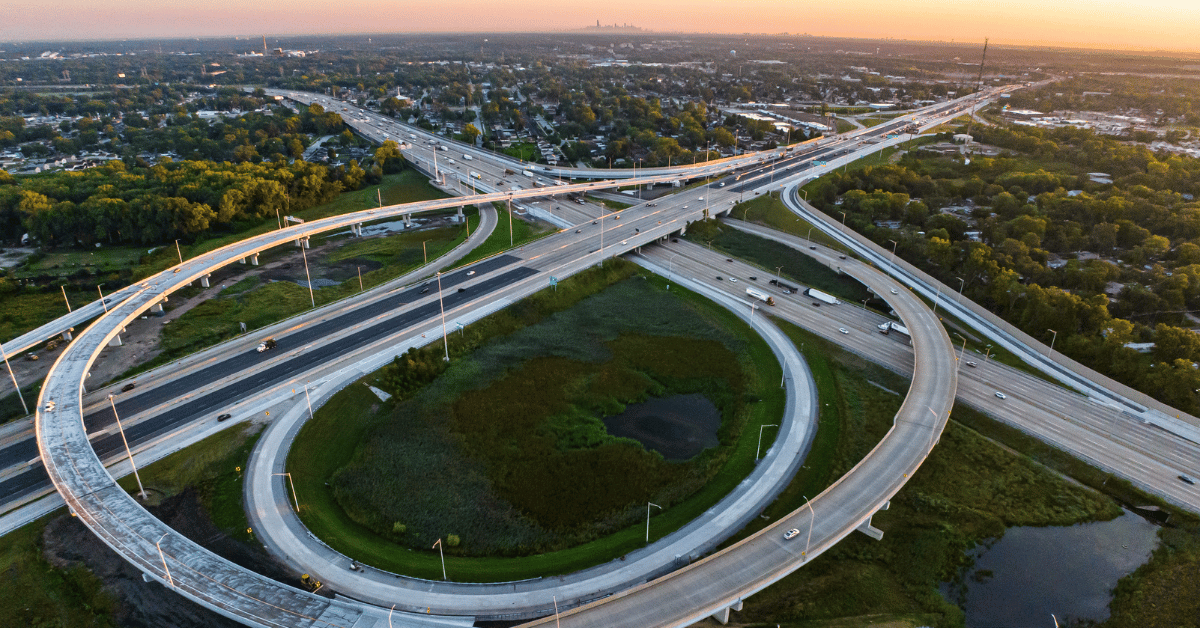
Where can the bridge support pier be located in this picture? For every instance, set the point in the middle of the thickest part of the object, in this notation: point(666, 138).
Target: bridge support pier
point(157, 308)
point(254, 259)
point(408, 221)
point(458, 217)
point(870, 530)
point(66, 335)
point(722, 616)
point(204, 281)
point(116, 341)
point(683, 231)
point(302, 242)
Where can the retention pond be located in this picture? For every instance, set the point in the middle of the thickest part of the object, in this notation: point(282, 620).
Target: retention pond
point(1030, 574)
point(678, 427)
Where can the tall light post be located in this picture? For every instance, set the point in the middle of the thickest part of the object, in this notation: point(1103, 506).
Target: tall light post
point(445, 338)
point(102, 301)
point(438, 545)
point(163, 558)
point(670, 266)
point(778, 269)
point(304, 256)
point(425, 252)
point(811, 523)
point(121, 429)
point(178, 252)
point(648, 505)
point(937, 298)
point(988, 354)
point(68, 301)
point(760, 433)
point(962, 352)
point(894, 243)
point(961, 283)
point(14, 380)
point(933, 430)
point(293, 485)
point(843, 220)
point(1052, 342)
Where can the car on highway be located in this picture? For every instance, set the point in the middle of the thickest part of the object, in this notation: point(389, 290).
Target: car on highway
point(266, 345)
point(733, 279)
point(753, 278)
point(894, 291)
point(224, 417)
point(578, 230)
point(720, 278)
point(470, 272)
point(1000, 395)
point(1186, 480)
point(971, 364)
point(791, 534)
point(128, 387)
point(843, 330)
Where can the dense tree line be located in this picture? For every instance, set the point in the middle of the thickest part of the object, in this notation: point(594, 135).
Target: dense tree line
point(993, 225)
point(170, 200)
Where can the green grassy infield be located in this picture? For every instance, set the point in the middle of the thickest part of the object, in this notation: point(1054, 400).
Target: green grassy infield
point(38, 594)
point(770, 211)
point(583, 487)
point(522, 233)
point(970, 489)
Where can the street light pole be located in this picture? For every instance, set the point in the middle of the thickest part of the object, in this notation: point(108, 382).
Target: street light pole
point(311, 296)
point(937, 298)
point(670, 266)
point(648, 505)
point(121, 429)
point(778, 269)
point(293, 485)
point(425, 252)
point(1052, 342)
point(894, 243)
point(760, 433)
point(961, 283)
point(178, 252)
point(14, 381)
point(445, 338)
point(438, 545)
point(102, 302)
point(64, 291)
point(962, 352)
point(163, 558)
point(811, 523)
point(843, 220)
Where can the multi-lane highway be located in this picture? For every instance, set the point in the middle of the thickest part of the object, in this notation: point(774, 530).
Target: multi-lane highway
point(121, 524)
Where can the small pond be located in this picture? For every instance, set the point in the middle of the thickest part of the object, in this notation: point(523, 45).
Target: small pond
point(678, 427)
point(1070, 572)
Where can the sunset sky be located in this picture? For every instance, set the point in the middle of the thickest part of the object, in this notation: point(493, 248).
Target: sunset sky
point(1147, 24)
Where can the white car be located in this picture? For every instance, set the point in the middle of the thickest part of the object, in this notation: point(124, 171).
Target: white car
point(791, 534)
point(1001, 395)
point(733, 279)
point(894, 291)
point(470, 272)
point(843, 330)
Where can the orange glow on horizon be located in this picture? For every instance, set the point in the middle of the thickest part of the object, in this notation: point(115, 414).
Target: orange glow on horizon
point(1112, 24)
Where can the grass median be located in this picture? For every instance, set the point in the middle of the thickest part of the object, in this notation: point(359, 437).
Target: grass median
point(340, 427)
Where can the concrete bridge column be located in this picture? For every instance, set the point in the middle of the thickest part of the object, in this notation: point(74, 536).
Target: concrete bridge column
point(116, 341)
point(408, 221)
point(683, 231)
point(722, 616)
point(254, 259)
point(870, 530)
point(204, 281)
point(157, 308)
point(459, 216)
point(358, 230)
point(302, 242)
point(66, 335)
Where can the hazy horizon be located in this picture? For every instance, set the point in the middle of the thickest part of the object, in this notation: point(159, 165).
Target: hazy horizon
point(1156, 25)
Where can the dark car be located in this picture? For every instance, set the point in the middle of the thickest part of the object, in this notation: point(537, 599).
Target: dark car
point(753, 278)
point(224, 417)
point(462, 289)
point(1186, 479)
point(424, 289)
point(815, 304)
point(128, 387)
point(720, 278)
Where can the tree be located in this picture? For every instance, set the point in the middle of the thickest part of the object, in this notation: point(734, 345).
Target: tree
point(471, 133)
point(389, 157)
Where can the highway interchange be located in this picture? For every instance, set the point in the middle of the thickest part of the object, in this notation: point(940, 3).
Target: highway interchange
point(570, 251)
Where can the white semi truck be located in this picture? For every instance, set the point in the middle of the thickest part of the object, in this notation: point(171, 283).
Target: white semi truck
point(829, 299)
point(760, 296)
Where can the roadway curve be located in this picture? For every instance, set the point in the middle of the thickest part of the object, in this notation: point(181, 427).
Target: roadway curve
point(267, 501)
point(121, 523)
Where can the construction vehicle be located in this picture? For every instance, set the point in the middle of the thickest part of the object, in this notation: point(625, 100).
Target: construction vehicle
point(310, 583)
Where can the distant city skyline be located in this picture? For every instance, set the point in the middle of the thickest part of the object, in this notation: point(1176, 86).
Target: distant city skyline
point(1111, 24)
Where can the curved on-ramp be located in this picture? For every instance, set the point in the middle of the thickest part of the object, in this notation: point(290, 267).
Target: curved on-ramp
point(675, 599)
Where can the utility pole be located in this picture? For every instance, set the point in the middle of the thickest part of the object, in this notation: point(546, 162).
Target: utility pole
point(304, 255)
point(445, 338)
